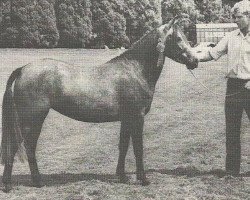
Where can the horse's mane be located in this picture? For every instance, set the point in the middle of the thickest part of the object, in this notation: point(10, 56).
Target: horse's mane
point(142, 39)
point(142, 44)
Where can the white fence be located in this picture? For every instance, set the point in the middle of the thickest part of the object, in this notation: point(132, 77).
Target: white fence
point(213, 32)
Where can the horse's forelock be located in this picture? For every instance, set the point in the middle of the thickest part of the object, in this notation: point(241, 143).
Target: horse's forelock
point(168, 26)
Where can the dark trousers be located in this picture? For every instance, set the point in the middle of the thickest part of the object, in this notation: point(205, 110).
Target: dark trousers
point(237, 101)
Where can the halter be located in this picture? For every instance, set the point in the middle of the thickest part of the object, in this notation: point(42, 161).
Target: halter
point(162, 39)
point(160, 48)
point(161, 45)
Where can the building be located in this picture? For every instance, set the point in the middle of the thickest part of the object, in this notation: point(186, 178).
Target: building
point(213, 32)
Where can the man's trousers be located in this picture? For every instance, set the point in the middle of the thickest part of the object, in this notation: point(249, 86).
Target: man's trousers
point(237, 100)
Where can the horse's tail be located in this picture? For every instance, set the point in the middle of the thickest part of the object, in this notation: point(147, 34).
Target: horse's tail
point(12, 140)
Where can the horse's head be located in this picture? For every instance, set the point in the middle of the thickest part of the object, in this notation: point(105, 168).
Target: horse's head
point(175, 44)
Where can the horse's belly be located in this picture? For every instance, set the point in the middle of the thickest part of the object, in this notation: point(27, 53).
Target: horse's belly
point(89, 111)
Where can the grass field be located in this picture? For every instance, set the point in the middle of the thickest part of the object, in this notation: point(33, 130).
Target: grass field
point(184, 141)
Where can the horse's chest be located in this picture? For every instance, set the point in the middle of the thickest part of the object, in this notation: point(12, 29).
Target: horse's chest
point(135, 94)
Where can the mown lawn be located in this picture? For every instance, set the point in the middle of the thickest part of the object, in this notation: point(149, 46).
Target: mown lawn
point(184, 140)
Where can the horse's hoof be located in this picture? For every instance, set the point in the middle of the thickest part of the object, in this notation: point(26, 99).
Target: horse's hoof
point(145, 182)
point(7, 188)
point(142, 179)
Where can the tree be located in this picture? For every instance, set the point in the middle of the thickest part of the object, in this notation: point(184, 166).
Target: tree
point(210, 10)
point(171, 8)
point(76, 23)
point(28, 23)
point(8, 33)
point(109, 24)
point(121, 22)
point(141, 16)
point(73, 22)
point(225, 16)
point(230, 2)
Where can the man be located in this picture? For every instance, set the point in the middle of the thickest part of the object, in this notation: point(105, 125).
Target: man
point(237, 47)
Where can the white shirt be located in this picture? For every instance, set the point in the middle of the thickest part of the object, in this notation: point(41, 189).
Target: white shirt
point(237, 48)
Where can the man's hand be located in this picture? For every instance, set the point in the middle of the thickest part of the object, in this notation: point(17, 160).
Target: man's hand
point(202, 54)
point(247, 85)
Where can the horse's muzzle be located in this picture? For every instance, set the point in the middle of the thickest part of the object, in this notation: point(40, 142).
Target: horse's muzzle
point(192, 64)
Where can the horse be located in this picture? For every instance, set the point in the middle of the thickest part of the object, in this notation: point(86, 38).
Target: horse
point(121, 89)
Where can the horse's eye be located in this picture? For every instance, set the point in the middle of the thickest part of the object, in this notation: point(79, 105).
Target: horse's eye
point(177, 39)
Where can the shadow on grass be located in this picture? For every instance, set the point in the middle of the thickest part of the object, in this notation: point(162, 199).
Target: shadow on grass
point(193, 172)
point(61, 179)
point(64, 178)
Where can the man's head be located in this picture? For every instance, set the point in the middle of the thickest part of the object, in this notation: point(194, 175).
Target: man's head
point(241, 14)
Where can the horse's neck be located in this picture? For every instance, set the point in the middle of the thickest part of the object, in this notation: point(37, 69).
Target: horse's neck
point(144, 52)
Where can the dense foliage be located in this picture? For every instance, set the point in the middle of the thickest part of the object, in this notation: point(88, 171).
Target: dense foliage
point(199, 11)
point(119, 23)
point(141, 16)
point(96, 23)
point(230, 2)
point(172, 8)
point(109, 23)
point(28, 23)
point(210, 10)
point(73, 22)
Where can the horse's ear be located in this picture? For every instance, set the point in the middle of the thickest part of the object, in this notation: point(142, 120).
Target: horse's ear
point(170, 23)
point(177, 19)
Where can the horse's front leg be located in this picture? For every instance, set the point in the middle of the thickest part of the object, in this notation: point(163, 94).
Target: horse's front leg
point(137, 139)
point(123, 148)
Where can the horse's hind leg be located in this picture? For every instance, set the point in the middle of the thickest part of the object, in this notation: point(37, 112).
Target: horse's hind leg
point(8, 168)
point(31, 131)
point(123, 148)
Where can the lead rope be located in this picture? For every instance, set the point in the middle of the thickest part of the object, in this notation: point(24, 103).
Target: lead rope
point(214, 93)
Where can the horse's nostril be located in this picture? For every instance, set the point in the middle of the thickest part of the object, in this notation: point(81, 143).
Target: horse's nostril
point(192, 64)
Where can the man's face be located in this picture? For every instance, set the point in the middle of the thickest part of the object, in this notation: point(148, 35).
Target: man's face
point(242, 20)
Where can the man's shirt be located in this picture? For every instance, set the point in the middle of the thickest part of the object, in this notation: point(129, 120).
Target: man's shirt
point(237, 48)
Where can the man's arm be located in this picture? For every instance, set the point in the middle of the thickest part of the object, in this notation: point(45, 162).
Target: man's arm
point(204, 54)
